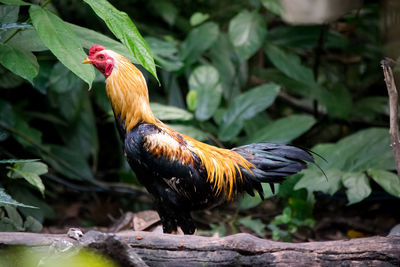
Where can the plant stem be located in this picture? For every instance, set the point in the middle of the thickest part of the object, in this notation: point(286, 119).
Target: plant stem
point(45, 3)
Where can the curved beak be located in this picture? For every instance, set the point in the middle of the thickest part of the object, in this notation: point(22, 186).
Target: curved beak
point(86, 61)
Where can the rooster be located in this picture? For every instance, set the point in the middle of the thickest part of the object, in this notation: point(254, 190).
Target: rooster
point(181, 173)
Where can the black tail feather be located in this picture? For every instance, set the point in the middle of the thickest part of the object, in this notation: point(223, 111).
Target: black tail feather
point(273, 163)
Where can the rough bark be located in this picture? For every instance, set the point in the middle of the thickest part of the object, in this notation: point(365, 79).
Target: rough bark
point(393, 109)
point(152, 249)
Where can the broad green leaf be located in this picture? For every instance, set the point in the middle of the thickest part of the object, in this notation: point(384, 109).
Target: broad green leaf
point(274, 6)
point(13, 215)
point(190, 131)
point(6, 199)
point(62, 41)
point(197, 41)
point(198, 18)
point(15, 2)
point(169, 113)
point(246, 106)
point(25, 195)
point(32, 225)
point(388, 180)
point(30, 171)
point(283, 130)
point(9, 79)
point(247, 31)
point(289, 64)
point(357, 186)
point(8, 14)
point(358, 152)
point(88, 38)
point(125, 30)
point(8, 225)
point(22, 63)
point(205, 80)
point(34, 44)
point(191, 100)
point(316, 181)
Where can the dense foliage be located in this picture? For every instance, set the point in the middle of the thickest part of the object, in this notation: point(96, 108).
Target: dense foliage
point(229, 73)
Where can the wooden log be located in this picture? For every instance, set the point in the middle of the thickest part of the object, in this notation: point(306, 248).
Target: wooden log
point(153, 249)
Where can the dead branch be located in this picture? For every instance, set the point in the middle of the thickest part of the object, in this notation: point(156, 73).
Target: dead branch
point(152, 249)
point(393, 109)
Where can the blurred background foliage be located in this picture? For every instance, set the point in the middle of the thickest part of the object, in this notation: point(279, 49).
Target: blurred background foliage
point(228, 73)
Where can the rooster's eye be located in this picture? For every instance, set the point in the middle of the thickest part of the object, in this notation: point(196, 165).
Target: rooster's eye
point(100, 57)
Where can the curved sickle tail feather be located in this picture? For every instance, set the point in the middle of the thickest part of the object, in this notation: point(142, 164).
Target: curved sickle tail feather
point(273, 163)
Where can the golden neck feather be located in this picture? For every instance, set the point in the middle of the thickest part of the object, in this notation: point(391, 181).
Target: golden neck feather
point(127, 90)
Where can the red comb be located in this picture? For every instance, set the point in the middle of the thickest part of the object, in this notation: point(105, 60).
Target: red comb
point(94, 49)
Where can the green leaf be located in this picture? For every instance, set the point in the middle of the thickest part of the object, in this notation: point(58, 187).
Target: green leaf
point(283, 130)
point(206, 82)
point(388, 180)
point(34, 44)
point(88, 38)
point(32, 225)
point(25, 194)
point(8, 14)
point(169, 113)
point(62, 41)
point(30, 171)
point(197, 41)
point(191, 100)
point(255, 225)
point(290, 64)
point(125, 30)
point(274, 6)
point(190, 131)
point(15, 2)
point(14, 216)
point(22, 63)
point(247, 31)
point(6, 199)
point(315, 181)
point(246, 106)
point(357, 185)
point(198, 18)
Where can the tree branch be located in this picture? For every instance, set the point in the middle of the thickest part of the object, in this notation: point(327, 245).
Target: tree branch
point(386, 64)
point(135, 248)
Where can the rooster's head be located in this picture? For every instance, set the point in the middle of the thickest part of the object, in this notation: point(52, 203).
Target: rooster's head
point(101, 58)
